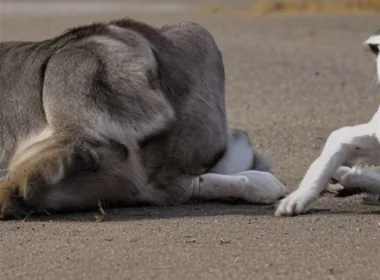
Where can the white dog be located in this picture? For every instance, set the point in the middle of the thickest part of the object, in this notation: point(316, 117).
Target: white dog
point(345, 147)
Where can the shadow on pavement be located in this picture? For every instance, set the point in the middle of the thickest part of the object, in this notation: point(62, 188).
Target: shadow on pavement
point(191, 210)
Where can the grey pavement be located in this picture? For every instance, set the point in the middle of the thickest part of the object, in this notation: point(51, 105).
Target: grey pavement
point(291, 80)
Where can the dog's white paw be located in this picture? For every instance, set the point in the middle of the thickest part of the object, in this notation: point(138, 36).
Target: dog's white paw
point(341, 172)
point(357, 180)
point(346, 175)
point(261, 187)
point(298, 202)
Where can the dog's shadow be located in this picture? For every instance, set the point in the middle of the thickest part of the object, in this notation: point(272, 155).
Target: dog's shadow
point(195, 209)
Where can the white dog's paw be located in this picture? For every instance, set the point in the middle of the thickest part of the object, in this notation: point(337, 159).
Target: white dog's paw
point(298, 202)
point(357, 180)
point(346, 176)
point(261, 187)
point(341, 173)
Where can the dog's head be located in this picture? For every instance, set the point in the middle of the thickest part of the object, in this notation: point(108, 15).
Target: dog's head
point(373, 43)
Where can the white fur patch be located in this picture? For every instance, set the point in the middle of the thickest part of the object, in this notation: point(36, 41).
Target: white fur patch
point(238, 157)
point(373, 40)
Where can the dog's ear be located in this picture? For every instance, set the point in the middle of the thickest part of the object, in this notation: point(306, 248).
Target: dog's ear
point(373, 42)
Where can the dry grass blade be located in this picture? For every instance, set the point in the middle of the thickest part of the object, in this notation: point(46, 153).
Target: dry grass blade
point(27, 216)
point(100, 218)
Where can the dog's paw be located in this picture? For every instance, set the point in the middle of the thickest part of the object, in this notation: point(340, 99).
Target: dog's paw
point(357, 180)
point(262, 187)
point(298, 202)
point(345, 174)
point(341, 176)
point(12, 205)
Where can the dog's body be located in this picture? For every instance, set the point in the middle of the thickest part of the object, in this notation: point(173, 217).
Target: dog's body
point(121, 113)
point(344, 149)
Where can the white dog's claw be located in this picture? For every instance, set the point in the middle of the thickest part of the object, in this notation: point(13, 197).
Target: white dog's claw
point(296, 203)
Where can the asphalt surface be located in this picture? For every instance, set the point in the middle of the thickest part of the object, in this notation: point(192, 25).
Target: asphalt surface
point(290, 82)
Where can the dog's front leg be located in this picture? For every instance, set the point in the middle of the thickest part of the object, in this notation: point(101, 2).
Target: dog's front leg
point(253, 186)
point(341, 146)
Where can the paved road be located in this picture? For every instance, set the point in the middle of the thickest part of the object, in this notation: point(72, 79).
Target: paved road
point(290, 81)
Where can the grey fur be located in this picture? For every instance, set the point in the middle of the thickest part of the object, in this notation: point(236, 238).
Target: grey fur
point(135, 114)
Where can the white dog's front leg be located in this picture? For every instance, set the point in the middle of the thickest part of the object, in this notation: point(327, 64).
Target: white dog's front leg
point(341, 146)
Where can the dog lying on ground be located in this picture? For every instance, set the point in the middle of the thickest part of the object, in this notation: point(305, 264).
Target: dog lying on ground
point(345, 148)
point(121, 113)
